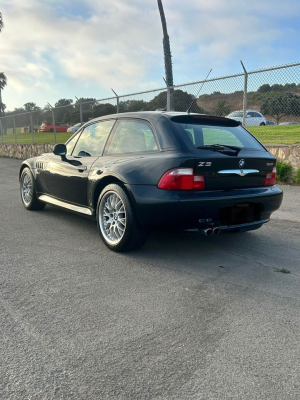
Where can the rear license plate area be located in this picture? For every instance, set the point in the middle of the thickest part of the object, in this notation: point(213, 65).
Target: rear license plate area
point(240, 214)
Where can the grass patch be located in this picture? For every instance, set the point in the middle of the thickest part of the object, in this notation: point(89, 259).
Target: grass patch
point(276, 134)
point(39, 137)
point(282, 270)
point(285, 134)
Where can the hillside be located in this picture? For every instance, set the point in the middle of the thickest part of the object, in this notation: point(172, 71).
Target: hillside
point(234, 101)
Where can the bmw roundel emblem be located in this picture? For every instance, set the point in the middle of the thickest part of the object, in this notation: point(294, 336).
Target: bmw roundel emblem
point(241, 163)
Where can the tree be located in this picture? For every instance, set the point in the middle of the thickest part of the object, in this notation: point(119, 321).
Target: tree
point(222, 108)
point(63, 102)
point(281, 105)
point(277, 87)
point(1, 22)
point(3, 83)
point(85, 100)
point(132, 105)
point(101, 109)
point(167, 48)
point(181, 102)
point(2, 108)
point(264, 88)
point(31, 107)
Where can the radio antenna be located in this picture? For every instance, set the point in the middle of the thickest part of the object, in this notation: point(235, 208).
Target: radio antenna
point(192, 103)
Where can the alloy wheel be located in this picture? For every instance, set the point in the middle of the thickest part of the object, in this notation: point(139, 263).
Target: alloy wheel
point(112, 217)
point(26, 189)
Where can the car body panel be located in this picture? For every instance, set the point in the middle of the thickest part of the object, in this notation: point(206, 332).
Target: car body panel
point(75, 182)
point(159, 209)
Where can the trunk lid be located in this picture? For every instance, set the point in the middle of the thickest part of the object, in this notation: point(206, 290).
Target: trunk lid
point(223, 172)
point(226, 154)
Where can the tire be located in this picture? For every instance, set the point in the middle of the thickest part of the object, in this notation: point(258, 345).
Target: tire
point(262, 124)
point(28, 191)
point(116, 221)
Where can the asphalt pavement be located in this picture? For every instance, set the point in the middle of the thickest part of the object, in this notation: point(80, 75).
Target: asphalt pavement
point(185, 317)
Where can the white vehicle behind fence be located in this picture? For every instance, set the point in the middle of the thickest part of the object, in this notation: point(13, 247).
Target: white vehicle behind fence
point(253, 117)
point(74, 128)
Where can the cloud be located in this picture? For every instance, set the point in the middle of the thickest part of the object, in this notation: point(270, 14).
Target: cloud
point(58, 48)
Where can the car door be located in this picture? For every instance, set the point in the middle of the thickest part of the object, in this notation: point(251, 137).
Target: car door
point(67, 177)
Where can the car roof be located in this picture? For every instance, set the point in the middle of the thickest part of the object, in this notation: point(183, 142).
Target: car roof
point(246, 111)
point(154, 115)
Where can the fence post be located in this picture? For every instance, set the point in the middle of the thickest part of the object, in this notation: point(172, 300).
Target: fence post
point(53, 120)
point(15, 132)
point(31, 128)
point(245, 94)
point(80, 113)
point(1, 129)
point(118, 108)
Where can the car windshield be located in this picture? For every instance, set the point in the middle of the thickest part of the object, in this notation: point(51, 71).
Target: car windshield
point(236, 114)
point(202, 136)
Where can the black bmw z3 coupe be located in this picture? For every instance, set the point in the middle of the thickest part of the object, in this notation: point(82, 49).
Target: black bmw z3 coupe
point(144, 171)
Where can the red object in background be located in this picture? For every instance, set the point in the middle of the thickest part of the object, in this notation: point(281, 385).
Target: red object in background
point(49, 127)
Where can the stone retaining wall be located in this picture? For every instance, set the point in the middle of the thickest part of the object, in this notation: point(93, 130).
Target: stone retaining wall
point(287, 153)
point(23, 151)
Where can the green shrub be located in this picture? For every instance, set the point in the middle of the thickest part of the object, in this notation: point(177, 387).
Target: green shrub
point(284, 171)
point(297, 176)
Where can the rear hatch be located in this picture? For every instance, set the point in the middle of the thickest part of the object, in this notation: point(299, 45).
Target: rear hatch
point(227, 155)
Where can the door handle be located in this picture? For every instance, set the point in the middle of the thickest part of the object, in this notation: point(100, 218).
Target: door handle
point(82, 168)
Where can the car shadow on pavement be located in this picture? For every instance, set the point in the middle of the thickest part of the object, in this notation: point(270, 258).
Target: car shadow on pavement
point(184, 250)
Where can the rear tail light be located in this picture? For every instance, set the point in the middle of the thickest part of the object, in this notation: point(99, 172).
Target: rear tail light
point(181, 179)
point(270, 178)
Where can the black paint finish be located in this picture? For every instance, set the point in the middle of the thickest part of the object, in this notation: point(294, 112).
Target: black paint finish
point(79, 180)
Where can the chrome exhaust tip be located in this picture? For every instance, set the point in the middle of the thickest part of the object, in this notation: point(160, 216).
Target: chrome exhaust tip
point(216, 230)
point(207, 232)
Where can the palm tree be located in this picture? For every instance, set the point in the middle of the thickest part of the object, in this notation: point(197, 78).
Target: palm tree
point(167, 52)
point(1, 22)
point(3, 83)
point(166, 45)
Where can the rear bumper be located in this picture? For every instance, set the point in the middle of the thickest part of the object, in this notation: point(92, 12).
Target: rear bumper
point(162, 209)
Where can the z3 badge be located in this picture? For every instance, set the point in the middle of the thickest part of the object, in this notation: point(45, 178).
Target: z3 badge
point(204, 164)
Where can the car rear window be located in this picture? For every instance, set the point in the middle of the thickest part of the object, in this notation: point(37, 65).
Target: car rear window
point(201, 134)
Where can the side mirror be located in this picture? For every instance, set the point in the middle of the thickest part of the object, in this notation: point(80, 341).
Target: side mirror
point(248, 116)
point(60, 150)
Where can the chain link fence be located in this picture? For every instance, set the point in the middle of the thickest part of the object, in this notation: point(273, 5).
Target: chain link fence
point(266, 102)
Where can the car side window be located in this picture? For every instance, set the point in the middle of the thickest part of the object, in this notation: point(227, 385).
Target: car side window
point(92, 139)
point(70, 145)
point(132, 137)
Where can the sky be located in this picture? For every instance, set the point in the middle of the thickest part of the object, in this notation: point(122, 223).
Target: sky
point(52, 49)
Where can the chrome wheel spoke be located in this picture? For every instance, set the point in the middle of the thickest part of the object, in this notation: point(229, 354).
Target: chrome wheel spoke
point(112, 217)
point(26, 189)
point(122, 221)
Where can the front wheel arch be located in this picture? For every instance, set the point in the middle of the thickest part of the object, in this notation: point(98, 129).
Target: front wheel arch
point(23, 166)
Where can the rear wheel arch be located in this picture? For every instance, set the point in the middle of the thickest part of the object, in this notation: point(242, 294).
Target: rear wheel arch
point(118, 212)
point(107, 180)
